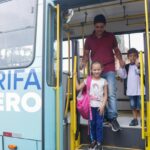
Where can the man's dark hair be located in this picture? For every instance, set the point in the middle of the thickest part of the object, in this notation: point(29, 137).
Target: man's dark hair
point(131, 51)
point(99, 19)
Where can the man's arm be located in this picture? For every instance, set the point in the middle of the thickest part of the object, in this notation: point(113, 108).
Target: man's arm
point(85, 59)
point(119, 56)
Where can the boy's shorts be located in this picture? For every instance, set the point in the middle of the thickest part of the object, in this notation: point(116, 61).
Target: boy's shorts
point(135, 102)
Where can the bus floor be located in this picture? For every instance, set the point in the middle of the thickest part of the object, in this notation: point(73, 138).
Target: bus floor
point(85, 147)
point(124, 119)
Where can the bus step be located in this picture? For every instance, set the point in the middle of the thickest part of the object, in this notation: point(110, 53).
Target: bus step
point(85, 147)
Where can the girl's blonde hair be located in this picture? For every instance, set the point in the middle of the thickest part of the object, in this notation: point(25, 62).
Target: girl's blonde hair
point(96, 62)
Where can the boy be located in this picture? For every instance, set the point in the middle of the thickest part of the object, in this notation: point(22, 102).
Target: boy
point(131, 74)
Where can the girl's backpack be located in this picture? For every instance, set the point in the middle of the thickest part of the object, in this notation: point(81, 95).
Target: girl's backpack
point(83, 101)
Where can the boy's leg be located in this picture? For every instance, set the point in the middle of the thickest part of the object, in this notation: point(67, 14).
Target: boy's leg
point(93, 125)
point(135, 113)
point(133, 104)
point(99, 127)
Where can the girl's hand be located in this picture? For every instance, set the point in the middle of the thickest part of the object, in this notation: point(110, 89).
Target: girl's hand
point(82, 65)
point(101, 109)
point(74, 74)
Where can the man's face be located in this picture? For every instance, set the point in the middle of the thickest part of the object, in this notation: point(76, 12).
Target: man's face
point(99, 28)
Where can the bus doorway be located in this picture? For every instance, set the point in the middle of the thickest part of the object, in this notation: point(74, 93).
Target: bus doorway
point(129, 27)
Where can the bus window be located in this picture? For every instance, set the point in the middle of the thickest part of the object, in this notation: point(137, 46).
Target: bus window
point(51, 46)
point(137, 41)
point(127, 41)
point(17, 33)
point(65, 55)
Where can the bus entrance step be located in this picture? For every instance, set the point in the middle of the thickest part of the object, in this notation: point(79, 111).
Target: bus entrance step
point(127, 137)
point(85, 147)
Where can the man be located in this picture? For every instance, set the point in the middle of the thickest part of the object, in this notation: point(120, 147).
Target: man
point(102, 46)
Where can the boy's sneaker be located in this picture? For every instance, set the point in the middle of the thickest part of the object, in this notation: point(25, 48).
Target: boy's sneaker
point(133, 122)
point(115, 125)
point(93, 145)
point(99, 147)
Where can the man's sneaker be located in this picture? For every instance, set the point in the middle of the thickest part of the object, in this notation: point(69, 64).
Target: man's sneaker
point(105, 122)
point(99, 147)
point(93, 145)
point(133, 122)
point(115, 125)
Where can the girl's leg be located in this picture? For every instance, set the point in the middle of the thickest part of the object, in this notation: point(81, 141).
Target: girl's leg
point(93, 125)
point(99, 127)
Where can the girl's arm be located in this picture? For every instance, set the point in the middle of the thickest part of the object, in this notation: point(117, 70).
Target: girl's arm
point(105, 94)
point(79, 86)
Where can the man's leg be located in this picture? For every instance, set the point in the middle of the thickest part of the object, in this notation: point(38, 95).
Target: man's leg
point(112, 102)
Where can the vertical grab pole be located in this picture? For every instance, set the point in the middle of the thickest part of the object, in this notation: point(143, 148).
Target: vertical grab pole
point(68, 91)
point(148, 49)
point(74, 95)
point(147, 42)
point(84, 70)
point(142, 94)
point(73, 124)
point(57, 81)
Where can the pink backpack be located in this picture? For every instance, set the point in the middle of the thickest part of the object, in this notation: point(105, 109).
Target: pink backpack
point(83, 102)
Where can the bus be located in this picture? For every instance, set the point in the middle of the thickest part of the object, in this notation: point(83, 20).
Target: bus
point(41, 44)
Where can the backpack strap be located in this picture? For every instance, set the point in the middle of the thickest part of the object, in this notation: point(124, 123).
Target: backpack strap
point(127, 68)
point(89, 79)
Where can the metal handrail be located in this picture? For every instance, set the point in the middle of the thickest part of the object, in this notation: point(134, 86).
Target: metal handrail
point(68, 87)
point(57, 80)
point(142, 94)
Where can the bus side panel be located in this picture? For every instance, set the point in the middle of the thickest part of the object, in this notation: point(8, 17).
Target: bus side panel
point(1, 147)
point(21, 144)
point(39, 144)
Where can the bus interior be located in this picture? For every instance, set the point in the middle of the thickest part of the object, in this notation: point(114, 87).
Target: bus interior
point(126, 19)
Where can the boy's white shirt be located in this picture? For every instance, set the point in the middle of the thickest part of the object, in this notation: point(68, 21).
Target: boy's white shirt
point(133, 84)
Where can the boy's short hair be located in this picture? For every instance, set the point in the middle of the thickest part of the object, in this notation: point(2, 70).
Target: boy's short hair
point(96, 62)
point(99, 19)
point(131, 51)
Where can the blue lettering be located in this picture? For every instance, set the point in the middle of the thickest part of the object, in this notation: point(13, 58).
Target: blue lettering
point(16, 78)
point(2, 80)
point(35, 81)
point(9, 80)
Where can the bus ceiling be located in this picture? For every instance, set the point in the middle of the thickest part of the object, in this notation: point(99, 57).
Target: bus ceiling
point(67, 4)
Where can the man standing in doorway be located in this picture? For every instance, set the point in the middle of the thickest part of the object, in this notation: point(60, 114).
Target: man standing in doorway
point(102, 46)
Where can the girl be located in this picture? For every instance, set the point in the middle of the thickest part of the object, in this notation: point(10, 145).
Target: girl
point(98, 99)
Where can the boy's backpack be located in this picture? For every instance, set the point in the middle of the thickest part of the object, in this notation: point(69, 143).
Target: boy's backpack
point(83, 102)
point(125, 80)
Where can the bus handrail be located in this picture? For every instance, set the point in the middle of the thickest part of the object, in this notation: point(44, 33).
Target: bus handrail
point(142, 94)
point(68, 87)
point(57, 80)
